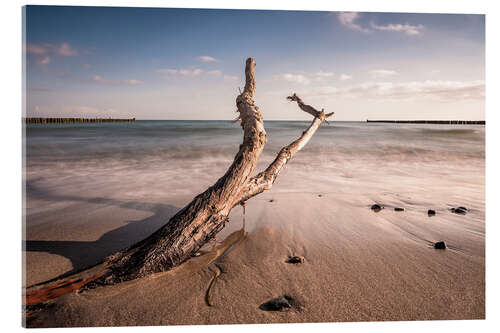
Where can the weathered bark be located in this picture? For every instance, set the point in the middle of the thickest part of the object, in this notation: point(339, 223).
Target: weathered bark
point(197, 223)
point(202, 218)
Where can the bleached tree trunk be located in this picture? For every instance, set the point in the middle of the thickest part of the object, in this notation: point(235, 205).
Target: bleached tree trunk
point(197, 223)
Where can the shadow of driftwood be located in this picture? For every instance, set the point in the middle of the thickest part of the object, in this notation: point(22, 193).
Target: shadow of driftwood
point(86, 253)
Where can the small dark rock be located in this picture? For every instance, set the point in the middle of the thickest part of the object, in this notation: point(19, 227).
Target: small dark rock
point(377, 207)
point(272, 200)
point(320, 195)
point(459, 210)
point(295, 260)
point(277, 304)
point(440, 245)
point(399, 209)
point(431, 212)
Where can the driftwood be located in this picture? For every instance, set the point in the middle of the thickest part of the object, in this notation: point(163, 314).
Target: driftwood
point(197, 223)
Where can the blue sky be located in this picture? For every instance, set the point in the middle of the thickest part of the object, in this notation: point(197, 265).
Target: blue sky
point(153, 63)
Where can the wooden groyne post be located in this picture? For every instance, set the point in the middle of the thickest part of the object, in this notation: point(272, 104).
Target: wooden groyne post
point(43, 120)
point(445, 122)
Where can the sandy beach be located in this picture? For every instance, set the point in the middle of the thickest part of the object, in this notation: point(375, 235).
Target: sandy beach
point(196, 166)
point(360, 265)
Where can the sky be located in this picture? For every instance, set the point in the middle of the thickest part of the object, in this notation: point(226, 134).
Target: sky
point(161, 63)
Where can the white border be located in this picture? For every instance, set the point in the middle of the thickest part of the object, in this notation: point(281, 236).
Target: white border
point(11, 160)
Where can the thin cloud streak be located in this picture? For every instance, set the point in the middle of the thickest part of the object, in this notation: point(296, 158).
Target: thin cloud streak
point(64, 49)
point(107, 81)
point(382, 73)
point(441, 90)
point(206, 58)
point(42, 61)
point(411, 30)
point(345, 77)
point(304, 78)
point(188, 72)
point(296, 78)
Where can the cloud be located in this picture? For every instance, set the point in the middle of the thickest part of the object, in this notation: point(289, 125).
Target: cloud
point(64, 49)
point(104, 80)
point(167, 71)
point(181, 72)
point(43, 61)
point(348, 18)
point(322, 74)
point(381, 73)
point(38, 49)
point(306, 78)
point(435, 89)
point(133, 82)
point(296, 78)
point(188, 72)
point(100, 79)
point(206, 58)
point(411, 30)
point(344, 77)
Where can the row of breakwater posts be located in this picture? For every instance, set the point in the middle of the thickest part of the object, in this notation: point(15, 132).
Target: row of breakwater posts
point(446, 122)
point(38, 120)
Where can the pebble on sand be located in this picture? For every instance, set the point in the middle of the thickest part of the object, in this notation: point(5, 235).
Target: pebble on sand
point(272, 200)
point(281, 303)
point(399, 209)
point(431, 212)
point(377, 207)
point(295, 260)
point(440, 245)
point(459, 210)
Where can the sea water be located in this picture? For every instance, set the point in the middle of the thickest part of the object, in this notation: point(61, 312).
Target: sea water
point(162, 161)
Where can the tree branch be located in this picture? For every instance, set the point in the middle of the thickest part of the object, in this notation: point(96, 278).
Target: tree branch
point(265, 179)
point(206, 215)
point(199, 221)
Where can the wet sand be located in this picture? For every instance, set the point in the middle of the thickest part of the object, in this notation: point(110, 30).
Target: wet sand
point(359, 265)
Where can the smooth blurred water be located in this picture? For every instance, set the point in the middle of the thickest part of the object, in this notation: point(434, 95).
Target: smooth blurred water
point(155, 159)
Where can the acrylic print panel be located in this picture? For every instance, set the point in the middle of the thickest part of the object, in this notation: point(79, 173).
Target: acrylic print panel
point(150, 201)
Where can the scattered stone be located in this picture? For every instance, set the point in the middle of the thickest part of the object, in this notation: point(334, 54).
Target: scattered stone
point(440, 245)
point(377, 207)
point(320, 195)
point(431, 212)
point(295, 260)
point(272, 200)
point(399, 209)
point(459, 210)
point(281, 303)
